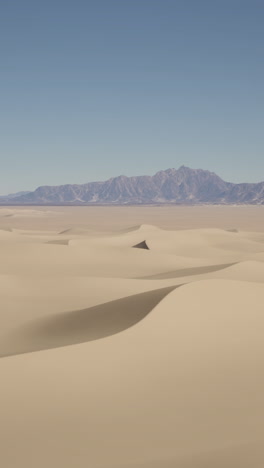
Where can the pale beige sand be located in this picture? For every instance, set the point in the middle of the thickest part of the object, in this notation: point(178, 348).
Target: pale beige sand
point(121, 357)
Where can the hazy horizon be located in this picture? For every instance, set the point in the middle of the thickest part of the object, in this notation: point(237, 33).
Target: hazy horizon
point(92, 90)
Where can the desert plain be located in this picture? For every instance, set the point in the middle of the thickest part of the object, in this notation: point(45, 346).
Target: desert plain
point(132, 337)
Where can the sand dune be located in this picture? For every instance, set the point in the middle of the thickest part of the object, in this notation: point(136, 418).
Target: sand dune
point(81, 325)
point(122, 357)
point(27, 213)
point(189, 271)
point(185, 380)
point(244, 271)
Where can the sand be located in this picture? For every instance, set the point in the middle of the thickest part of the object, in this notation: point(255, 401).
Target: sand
point(132, 337)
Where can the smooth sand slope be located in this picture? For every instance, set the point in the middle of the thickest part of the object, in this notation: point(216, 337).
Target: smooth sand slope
point(136, 347)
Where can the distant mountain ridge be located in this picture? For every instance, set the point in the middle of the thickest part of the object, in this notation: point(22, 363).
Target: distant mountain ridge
point(172, 186)
point(11, 196)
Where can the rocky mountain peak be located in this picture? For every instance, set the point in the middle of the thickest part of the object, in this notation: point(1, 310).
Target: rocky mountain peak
point(178, 186)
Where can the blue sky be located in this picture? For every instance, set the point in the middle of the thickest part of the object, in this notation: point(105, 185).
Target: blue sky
point(94, 89)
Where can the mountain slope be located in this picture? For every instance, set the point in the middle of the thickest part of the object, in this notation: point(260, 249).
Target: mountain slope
point(180, 186)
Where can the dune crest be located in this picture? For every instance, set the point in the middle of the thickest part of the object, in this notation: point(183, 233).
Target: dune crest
point(189, 272)
point(82, 325)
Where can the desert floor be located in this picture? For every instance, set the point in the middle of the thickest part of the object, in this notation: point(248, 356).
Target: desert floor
point(132, 337)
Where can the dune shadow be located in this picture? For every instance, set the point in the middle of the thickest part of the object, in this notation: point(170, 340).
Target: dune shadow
point(58, 242)
point(188, 271)
point(141, 245)
point(66, 231)
point(84, 325)
point(234, 230)
point(6, 229)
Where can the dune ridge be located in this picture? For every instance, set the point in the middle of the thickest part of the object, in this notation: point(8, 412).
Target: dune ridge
point(84, 325)
point(189, 271)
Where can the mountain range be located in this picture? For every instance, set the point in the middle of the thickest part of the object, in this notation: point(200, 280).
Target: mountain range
point(172, 186)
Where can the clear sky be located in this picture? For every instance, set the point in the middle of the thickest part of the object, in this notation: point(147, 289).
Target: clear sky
point(91, 89)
